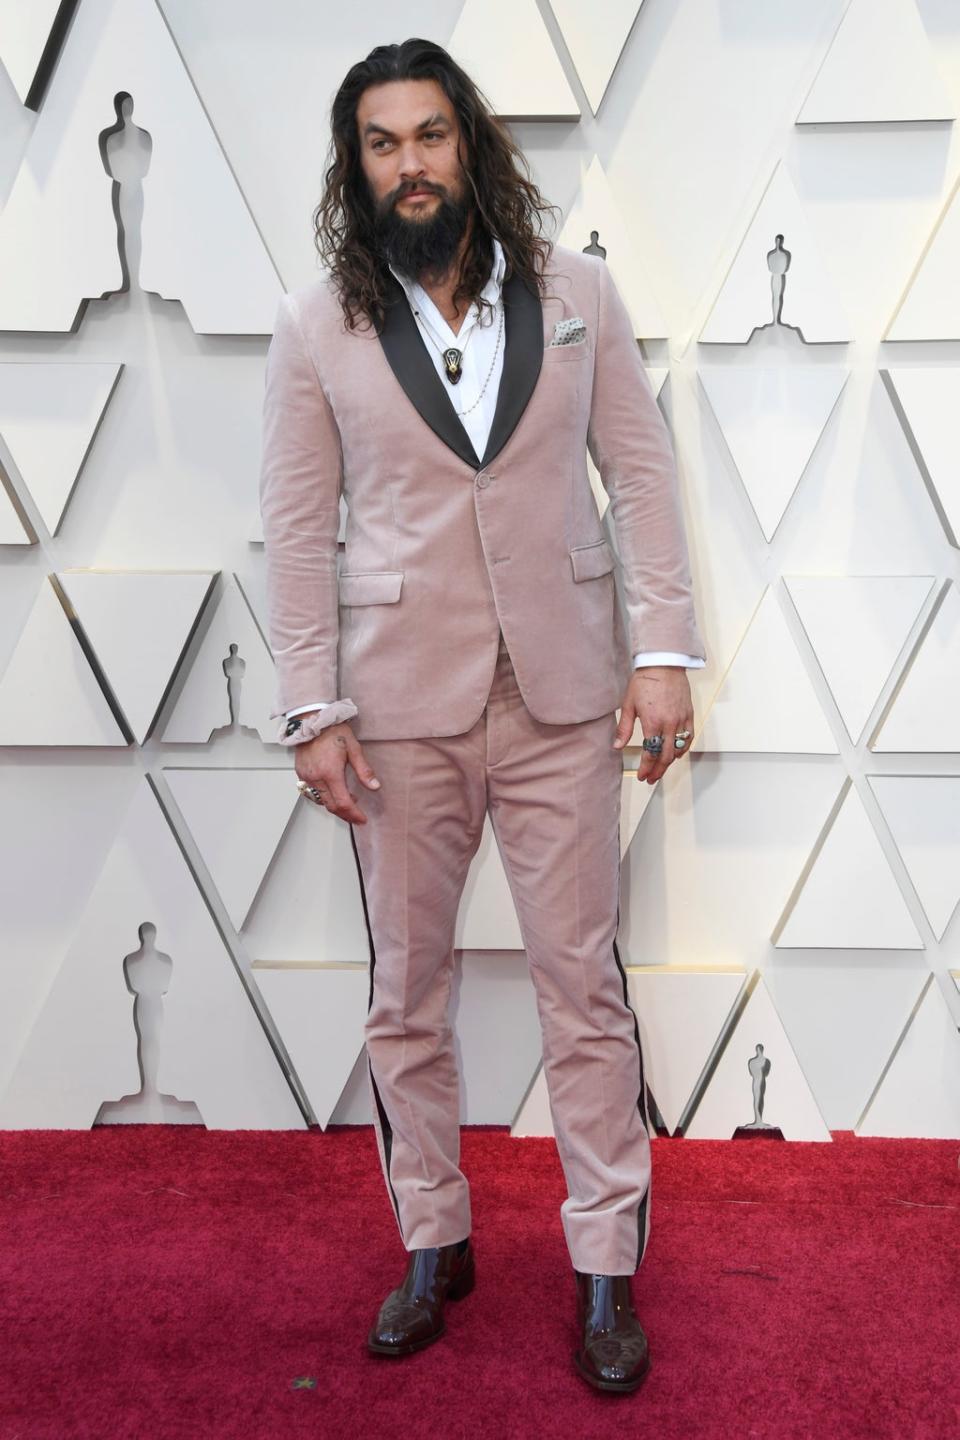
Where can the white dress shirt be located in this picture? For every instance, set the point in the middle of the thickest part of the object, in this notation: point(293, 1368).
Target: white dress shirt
point(478, 357)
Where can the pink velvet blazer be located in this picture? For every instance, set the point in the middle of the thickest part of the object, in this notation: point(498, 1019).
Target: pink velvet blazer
point(444, 547)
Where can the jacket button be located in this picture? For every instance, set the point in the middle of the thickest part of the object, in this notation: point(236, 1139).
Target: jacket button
point(483, 480)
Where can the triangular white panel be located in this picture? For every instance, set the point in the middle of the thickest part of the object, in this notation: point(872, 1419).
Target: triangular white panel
point(673, 1001)
point(83, 1049)
point(880, 67)
point(595, 35)
point(48, 693)
point(919, 1095)
point(487, 918)
point(25, 27)
point(771, 417)
point(765, 702)
point(930, 309)
point(318, 1011)
point(925, 714)
point(757, 1079)
point(498, 1037)
point(857, 625)
point(595, 209)
point(534, 1116)
point(844, 1017)
point(48, 415)
point(635, 796)
point(12, 529)
point(199, 242)
point(923, 812)
point(929, 397)
point(850, 898)
point(355, 1103)
point(506, 48)
point(747, 299)
point(718, 854)
point(236, 818)
point(309, 908)
point(204, 703)
point(138, 624)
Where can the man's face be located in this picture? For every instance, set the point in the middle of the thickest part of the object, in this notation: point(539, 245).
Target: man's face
point(409, 138)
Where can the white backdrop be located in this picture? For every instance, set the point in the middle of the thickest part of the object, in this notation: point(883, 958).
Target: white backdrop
point(181, 941)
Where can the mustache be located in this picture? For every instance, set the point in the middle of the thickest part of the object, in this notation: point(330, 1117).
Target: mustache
point(413, 189)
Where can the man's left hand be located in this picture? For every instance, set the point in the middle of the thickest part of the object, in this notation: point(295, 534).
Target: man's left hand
point(659, 697)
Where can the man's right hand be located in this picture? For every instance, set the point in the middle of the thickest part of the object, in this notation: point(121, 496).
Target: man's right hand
point(322, 763)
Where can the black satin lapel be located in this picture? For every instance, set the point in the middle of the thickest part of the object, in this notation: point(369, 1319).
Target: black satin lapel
point(406, 351)
point(522, 358)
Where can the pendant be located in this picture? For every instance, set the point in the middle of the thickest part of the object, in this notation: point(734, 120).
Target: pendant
point(451, 360)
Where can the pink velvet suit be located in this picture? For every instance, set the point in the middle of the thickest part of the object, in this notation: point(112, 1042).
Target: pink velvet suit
point(473, 633)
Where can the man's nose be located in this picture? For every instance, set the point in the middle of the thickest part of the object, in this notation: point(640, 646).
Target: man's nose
point(411, 163)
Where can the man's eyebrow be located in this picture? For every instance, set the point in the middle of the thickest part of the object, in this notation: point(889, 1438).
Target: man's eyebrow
point(374, 126)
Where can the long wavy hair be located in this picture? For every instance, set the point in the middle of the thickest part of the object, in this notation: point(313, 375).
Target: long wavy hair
point(507, 202)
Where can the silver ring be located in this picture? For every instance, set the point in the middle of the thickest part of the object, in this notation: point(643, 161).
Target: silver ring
point(653, 743)
point(310, 791)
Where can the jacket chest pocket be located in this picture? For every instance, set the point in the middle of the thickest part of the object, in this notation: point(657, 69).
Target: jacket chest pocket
point(576, 350)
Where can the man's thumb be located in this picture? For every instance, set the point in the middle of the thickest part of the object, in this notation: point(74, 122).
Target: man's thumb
point(361, 765)
point(628, 717)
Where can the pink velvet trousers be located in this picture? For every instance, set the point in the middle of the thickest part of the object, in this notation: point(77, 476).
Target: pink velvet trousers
point(553, 794)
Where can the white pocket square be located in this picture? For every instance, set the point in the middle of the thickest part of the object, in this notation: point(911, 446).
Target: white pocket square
point(569, 332)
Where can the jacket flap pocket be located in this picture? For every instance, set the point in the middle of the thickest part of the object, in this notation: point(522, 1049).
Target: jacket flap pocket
point(591, 561)
point(369, 587)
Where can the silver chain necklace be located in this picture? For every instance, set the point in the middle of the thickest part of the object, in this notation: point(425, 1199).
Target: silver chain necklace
point(452, 357)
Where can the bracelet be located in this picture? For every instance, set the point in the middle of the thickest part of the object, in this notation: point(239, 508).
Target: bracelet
point(300, 728)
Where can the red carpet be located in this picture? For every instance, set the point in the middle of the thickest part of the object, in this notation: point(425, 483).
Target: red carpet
point(166, 1282)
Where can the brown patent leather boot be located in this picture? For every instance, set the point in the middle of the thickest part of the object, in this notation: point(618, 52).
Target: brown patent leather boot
point(412, 1315)
point(613, 1354)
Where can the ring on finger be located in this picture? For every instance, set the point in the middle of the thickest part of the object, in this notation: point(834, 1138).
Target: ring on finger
point(311, 792)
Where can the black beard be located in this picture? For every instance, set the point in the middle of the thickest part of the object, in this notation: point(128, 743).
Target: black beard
point(423, 246)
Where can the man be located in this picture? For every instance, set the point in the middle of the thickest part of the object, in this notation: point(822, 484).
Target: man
point(448, 373)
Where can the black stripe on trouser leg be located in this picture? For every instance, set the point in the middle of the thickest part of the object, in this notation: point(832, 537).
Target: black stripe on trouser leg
point(641, 1098)
point(385, 1127)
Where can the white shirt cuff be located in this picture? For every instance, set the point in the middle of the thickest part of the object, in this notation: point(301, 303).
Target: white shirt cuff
point(667, 657)
point(301, 709)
